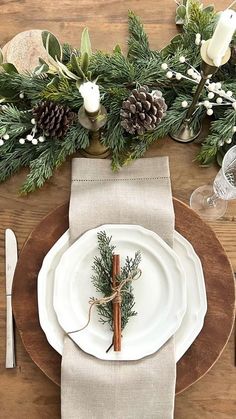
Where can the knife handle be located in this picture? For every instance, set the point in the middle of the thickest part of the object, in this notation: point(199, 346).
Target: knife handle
point(10, 347)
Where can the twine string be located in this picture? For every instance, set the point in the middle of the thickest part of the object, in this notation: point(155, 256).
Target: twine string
point(116, 296)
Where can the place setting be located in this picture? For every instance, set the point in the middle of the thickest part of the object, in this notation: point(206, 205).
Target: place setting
point(123, 296)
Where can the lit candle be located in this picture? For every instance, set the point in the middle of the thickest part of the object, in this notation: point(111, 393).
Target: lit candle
point(90, 93)
point(219, 43)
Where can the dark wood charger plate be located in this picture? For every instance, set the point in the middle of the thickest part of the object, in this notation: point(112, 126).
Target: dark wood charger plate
point(205, 350)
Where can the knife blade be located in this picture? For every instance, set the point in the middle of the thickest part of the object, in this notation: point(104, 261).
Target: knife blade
point(11, 261)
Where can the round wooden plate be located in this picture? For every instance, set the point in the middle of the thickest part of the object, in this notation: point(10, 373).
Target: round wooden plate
point(219, 279)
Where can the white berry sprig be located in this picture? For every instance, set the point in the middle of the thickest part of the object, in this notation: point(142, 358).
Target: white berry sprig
point(32, 138)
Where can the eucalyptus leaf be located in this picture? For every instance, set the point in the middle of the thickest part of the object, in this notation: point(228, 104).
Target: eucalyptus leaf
point(76, 66)
point(89, 75)
point(84, 63)
point(54, 81)
point(85, 43)
point(65, 71)
point(52, 45)
point(40, 69)
point(181, 11)
point(9, 68)
point(1, 57)
point(209, 9)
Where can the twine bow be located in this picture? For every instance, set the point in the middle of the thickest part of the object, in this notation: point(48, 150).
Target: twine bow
point(115, 296)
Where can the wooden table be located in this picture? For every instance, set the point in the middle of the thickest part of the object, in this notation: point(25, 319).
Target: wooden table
point(25, 392)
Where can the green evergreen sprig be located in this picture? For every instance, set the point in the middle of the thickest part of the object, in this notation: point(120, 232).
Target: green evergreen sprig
point(102, 280)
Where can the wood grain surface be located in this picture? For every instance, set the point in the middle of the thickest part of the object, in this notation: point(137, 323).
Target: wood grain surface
point(25, 392)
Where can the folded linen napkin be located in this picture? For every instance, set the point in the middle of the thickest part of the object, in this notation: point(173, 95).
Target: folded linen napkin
point(96, 389)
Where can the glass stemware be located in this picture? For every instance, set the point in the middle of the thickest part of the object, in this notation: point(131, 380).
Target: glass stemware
point(210, 201)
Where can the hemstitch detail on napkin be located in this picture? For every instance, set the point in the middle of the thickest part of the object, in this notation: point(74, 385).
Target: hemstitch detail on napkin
point(120, 179)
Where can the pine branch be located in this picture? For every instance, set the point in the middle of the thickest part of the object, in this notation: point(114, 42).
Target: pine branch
point(220, 130)
point(138, 44)
point(12, 162)
point(102, 280)
point(64, 92)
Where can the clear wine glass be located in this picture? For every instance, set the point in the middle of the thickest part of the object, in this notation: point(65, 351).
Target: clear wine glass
point(210, 201)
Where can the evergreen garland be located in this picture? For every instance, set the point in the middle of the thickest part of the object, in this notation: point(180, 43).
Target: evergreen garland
point(117, 75)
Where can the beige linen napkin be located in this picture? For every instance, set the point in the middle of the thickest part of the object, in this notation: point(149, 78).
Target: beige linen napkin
point(96, 389)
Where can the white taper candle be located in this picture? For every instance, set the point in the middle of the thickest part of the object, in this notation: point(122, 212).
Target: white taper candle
point(90, 93)
point(222, 36)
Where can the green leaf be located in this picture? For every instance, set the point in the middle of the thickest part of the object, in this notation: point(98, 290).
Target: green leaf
point(209, 9)
point(1, 57)
point(52, 45)
point(65, 71)
point(84, 62)
point(181, 11)
point(85, 43)
point(76, 66)
point(9, 68)
point(41, 69)
point(54, 81)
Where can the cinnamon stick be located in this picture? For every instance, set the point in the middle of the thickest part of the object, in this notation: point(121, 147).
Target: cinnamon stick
point(116, 305)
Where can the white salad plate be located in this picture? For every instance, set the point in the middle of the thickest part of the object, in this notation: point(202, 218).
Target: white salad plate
point(160, 293)
point(193, 319)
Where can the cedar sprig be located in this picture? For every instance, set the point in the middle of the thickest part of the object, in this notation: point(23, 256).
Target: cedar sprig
point(102, 280)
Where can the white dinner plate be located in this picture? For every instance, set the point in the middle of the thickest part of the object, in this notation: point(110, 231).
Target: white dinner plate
point(193, 319)
point(160, 293)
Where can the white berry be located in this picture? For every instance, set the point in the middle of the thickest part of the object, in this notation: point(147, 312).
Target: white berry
point(190, 71)
point(164, 66)
point(21, 95)
point(220, 143)
point(197, 41)
point(29, 137)
point(198, 35)
point(228, 140)
point(195, 76)
point(234, 105)
point(218, 85)
point(41, 139)
point(33, 121)
point(34, 141)
point(206, 103)
point(182, 59)
point(234, 129)
point(209, 112)
point(6, 137)
point(1, 142)
point(211, 95)
point(184, 104)
point(169, 74)
point(178, 76)
point(229, 93)
point(211, 87)
point(22, 141)
point(219, 100)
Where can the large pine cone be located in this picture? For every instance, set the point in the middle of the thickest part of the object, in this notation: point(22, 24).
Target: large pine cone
point(53, 119)
point(142, 111)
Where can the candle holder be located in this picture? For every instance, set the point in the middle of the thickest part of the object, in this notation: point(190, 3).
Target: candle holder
point(187, 133)
point(94, 121)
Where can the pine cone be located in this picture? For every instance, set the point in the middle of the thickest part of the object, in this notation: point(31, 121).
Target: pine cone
point(53, 119)
point(142, 111)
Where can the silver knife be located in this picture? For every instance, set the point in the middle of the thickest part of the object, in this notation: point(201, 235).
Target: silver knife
point(11, 260)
